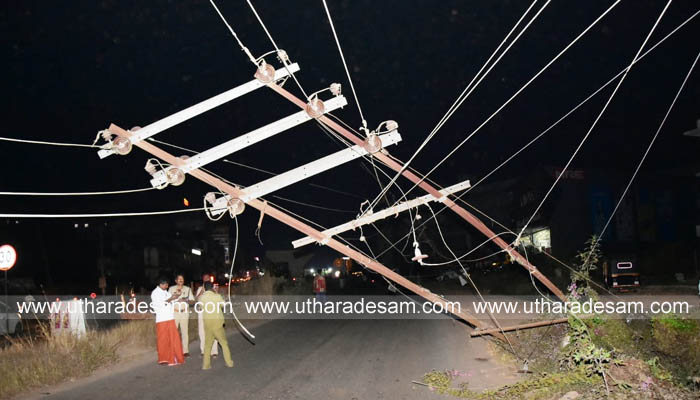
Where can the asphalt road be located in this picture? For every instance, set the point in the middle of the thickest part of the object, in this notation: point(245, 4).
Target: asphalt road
point(309, 359)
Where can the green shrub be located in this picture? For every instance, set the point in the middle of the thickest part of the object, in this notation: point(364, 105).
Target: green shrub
point(46, 360)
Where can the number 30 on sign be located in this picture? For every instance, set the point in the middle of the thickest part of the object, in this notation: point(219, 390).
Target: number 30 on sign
point(8, 257)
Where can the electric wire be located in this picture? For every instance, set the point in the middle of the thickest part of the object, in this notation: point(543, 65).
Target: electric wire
point(469, 277)
point(235, 250)
point(463, 96)
point(235, 36)
point(459, 197)
point(314, 205)
point(262, 24)
point(473, 186)
point(470, 87)
point(7, 139)
point(101, 215)
point(646, 152)
point(345, 65)
point(516, 93)
point(460, 258)
point(595, 122)
point(76, 193)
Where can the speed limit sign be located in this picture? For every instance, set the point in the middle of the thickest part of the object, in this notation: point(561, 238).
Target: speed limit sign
point(8, 257)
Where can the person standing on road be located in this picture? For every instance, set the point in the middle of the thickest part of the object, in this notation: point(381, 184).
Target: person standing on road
point(182, 311)
point(168, 341)
point(211, 303)
point(320, 287)
point(200, 323)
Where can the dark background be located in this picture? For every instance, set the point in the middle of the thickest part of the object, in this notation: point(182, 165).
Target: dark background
point(72, 68)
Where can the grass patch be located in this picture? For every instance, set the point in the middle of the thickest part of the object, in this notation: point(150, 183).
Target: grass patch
point(677, 342)
point(543, 386)
point(34, 362)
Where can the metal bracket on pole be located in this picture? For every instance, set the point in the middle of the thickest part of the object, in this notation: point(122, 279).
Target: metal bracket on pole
point(199, 108)
point(387, 212)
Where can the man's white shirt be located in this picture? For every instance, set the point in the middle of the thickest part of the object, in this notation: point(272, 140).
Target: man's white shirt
point(163, 309)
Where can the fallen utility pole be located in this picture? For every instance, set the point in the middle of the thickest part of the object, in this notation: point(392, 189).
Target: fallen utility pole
point(387, 212)
point(287, 219)
point(480, 332)
point(459, 210)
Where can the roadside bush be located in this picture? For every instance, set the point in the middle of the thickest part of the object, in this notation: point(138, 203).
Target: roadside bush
point(45, 360)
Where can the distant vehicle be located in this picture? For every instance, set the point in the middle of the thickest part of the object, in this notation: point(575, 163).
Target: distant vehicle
point(6, 313)
point(622, 275)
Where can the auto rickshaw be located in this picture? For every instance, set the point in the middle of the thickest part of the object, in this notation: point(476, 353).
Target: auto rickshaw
point(621, 274)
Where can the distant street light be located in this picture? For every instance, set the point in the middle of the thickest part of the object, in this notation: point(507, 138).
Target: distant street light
point(693, 132)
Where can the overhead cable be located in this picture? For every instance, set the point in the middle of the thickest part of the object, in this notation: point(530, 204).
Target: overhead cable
point(345, 65)
point(516, 94)
point(646, 152)
point(75, 193)
point(467, 91)
point(595, 122)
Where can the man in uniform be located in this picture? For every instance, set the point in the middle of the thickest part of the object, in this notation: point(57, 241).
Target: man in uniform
point(213, 318)
point(200, 321)
point(182, 310)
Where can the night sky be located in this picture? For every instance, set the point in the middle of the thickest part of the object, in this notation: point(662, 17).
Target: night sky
point(72, 68)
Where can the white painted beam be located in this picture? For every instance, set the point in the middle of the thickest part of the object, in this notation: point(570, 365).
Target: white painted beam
point(295, 175)
point(200, 108)
point(387, 212)
point(248, 139)
point(313, 168)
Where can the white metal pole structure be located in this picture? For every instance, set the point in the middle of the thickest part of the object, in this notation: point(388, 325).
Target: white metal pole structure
point(264, 75)
point(387, 212)
point(161, 177)
point(306, 229)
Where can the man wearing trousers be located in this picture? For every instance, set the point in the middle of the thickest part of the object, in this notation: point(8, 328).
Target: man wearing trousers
point(213, 317)
point(200, 323)
point(182, 310)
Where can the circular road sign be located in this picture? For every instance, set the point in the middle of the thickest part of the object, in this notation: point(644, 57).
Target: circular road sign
point(8, 257)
